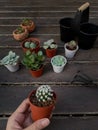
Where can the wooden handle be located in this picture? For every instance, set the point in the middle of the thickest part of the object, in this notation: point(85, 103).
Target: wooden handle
point(84, 6)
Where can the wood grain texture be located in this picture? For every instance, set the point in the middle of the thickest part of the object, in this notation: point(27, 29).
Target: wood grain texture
point(77, 106)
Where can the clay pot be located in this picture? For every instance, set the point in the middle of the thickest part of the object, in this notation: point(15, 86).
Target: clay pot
point(40, 112)
point(37, 73)
point(21, 36)
point(51, 52)
point(31, 39)
point(30, 27)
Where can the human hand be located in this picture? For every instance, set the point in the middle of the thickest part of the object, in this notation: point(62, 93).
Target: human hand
point(21, 119)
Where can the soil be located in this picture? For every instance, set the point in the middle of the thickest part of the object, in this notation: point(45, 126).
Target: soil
point(34, 101)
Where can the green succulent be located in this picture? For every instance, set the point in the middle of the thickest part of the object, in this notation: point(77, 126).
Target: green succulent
point(50, 44)
point(11, 59)
point(33, 60)
point(31, 45)
point(58, 60)
point(26, 21)
point(19, 30)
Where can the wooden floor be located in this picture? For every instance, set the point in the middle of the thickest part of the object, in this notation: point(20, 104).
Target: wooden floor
point(77, 103)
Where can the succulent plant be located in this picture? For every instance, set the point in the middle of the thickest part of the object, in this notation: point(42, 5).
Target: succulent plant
point(11, 59)
point(33, 60)
point(31, 45)
point(58, 60)
point(26, 21)
point(71, 45)
point(44, 95)
point(19, 30)
point(50, 44)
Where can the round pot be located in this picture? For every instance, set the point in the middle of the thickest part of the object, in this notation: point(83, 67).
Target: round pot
point(32, 50)
point(40, 112)
point(30, 28)
point(51, 52)
point(56, 68)
point(66, 32)
point(12, 68)
point(70, 53)
point(37, 73)
point(87, 36)
point(21, 36)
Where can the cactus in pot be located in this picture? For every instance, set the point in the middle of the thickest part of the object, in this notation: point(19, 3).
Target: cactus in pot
point(70, 49)
point(51, 48)
point(42, 101)
point(11, 61)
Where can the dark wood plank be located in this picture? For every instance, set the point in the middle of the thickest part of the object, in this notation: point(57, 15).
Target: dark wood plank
point(69, 123)
point(71, 100)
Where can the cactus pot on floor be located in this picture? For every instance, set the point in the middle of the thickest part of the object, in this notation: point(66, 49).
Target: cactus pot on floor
point(58, 63)
point(11, 61)
point(70, 49)
point(32, 44)
point(42, 102)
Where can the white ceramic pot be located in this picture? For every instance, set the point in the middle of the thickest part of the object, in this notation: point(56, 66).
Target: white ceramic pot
point(70, 53)
point(60, 68)
point(12, 68)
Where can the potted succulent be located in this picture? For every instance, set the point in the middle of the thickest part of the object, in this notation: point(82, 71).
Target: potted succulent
point(42, 101)
point(51, 48)
point(70, 49)
point(32, 44)
point(20, 33)
point(58, 62)
point(11, 61)
point(28, 24)
point(34, 62)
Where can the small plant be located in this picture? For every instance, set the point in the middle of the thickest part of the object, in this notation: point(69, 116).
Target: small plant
point(58, 60)
point(31, 45)
point(72, 45)
point(26, 22)
point(33, 60)
point(11, 59)
point(50, 44)
point(19, 30)
point(44, 95)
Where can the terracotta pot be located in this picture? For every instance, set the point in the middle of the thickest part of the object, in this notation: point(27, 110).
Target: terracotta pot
point(40, 112)
point(21, 36)
point(30, 28)
point(32, 50)
point(51, 52)
point(37, 73)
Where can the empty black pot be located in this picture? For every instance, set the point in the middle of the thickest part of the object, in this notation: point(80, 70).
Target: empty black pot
point(66, 32)
point(87, 35)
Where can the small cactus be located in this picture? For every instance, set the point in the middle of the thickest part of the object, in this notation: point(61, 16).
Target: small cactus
point(58, 60)
point(44, 95)
point(72, 45)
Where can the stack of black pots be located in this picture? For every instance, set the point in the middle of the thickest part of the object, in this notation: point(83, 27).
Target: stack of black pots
point(79, 29)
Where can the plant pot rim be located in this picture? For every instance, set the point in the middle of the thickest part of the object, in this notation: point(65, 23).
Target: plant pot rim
point(33, 91)
point(57, 56)
point(77, 47)
point(31, 39)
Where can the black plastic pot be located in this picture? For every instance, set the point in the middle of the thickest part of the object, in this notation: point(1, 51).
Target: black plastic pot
point(87, 36)
point(66, 32)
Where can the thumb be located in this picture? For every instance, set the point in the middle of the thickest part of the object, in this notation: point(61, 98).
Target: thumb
point(39, 125)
